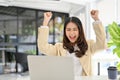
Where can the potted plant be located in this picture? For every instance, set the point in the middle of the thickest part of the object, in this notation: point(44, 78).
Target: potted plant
point(114, 31)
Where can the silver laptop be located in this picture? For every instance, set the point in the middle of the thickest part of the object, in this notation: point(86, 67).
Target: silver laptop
point(50, 68)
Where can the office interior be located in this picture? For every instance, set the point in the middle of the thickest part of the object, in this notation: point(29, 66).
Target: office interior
point(20, 19)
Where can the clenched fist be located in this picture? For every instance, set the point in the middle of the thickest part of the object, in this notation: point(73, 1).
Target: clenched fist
point(47, 17)
point(94, 14)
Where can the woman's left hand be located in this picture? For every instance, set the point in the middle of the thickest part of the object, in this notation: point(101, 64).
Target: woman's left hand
point(94, 14)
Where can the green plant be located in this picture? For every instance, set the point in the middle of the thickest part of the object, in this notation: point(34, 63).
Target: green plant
point(31, 52)
point(114, 31)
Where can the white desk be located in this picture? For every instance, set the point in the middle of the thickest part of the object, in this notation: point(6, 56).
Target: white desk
point(91, 78)
point(101, 58)
point(26, 77)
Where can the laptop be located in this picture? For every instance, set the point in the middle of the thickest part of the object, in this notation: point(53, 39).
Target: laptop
point(50, 68)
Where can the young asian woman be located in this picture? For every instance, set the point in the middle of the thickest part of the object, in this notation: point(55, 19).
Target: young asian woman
point(74, 42)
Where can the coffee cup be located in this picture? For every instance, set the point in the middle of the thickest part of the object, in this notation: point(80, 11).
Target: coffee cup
point(112, 73)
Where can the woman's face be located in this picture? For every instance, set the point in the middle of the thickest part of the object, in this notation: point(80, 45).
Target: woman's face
point(72, 32)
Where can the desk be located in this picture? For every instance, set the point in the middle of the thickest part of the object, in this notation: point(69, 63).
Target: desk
point(91, 78)
point(3, 58)
point(103, 57)
point(26, 77)
point(3, 53)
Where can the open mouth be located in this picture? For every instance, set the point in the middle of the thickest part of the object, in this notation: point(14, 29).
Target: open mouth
point(72, 37)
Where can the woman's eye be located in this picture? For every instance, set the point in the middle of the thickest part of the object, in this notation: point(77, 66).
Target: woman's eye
point(75, 29)
point(67, 29)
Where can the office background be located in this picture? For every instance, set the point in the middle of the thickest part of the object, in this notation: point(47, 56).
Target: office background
point(20, 19)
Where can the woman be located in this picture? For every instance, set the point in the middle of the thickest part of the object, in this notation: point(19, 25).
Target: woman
point(74, 42)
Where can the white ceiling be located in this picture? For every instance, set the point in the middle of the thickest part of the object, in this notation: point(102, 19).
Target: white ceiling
point(66, 6)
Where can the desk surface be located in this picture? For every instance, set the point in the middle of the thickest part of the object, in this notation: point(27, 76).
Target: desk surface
point(26, 77)
point(7, 48)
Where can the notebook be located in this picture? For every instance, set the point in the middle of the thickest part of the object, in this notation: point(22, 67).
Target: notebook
point(50, 68)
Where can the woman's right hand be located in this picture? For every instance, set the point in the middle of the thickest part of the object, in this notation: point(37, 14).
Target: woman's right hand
point(47, 17)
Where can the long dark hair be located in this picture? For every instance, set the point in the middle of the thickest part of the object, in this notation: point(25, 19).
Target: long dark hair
point(81, 41)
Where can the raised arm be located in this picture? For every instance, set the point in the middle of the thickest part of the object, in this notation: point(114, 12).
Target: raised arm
point(100, 42)
point(43, 33)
